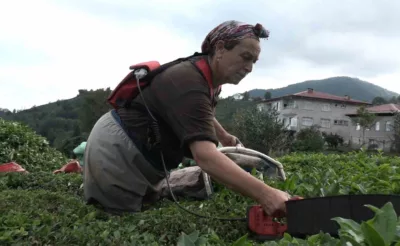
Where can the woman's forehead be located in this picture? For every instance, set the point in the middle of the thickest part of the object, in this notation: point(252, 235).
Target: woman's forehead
point(249, 45)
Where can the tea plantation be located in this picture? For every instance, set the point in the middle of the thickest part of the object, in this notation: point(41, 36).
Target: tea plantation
point(41, 208)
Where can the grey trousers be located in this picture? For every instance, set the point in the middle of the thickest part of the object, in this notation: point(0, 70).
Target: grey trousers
point(116, 174)
point(119, 178)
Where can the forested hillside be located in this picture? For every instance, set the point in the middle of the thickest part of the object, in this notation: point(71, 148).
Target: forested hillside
point(66, 123)
point(340, 86)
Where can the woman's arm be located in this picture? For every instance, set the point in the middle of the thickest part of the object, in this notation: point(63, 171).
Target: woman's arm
point(220, 131)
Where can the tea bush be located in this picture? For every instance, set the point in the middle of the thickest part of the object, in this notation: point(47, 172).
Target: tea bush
point(21, 144)
point(41, 208)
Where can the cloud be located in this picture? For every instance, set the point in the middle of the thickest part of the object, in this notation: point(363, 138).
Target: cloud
point(59, 47)
point(83, 50)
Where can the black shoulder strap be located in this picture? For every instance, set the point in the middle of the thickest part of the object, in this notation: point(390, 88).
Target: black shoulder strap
point(150, 76)
point(163, 67)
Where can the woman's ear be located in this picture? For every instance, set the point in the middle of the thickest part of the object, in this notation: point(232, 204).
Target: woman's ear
point(219, 48)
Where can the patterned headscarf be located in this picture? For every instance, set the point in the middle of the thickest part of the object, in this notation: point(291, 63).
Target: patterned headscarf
point(233, 30)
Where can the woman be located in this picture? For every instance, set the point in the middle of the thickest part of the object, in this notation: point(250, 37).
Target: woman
point(122, 169)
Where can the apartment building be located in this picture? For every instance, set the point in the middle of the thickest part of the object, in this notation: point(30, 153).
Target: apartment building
point(307, 108)
point(237, 96)
point(380, 134)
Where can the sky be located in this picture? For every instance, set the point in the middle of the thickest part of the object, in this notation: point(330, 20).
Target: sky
point(51, 49)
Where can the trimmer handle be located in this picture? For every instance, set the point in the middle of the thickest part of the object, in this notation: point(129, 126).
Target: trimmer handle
point(238, 143)
point(264, 227)
point(281, 214)
point(294, 198)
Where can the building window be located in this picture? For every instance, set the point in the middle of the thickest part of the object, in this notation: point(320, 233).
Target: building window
point(341, 122)
point(326, 107)
point(275, 106)
point(293, 122)
point(388, 126)
point(284, 121)
point(341, 105)
point(307, 121)
point(326, 123)
point(377, 126)
point(289, 104)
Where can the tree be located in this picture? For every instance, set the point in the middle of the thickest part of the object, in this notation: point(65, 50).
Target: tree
point(393, 99)
point(379, 101)
point(333, 140)
point(309, 139)
point(267, 95)
point(93, 107)
point(257, 99)
point(365, 120)
point(396, 132)
point(246, 96)
point(261, 130)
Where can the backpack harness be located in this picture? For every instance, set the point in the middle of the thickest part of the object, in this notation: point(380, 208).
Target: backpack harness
point(130, 87)
point(140, 77)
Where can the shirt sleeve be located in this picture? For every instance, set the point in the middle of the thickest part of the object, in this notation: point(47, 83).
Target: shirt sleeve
point(191, 118)
point(182, 98)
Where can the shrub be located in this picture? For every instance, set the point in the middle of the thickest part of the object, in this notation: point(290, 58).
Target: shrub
point(261, 130)
point(41, 208)
point(309, 139)
point(333, 140)
point(21, 144)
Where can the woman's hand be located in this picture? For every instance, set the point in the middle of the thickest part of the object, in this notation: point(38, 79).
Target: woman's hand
point(230, 140)
point(273, 202)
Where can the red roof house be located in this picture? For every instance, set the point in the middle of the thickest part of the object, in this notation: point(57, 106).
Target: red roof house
point(385, 109)
point(311, 94)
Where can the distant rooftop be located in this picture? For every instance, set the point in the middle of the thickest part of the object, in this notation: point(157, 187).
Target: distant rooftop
point(389, 108)
point(310, 93)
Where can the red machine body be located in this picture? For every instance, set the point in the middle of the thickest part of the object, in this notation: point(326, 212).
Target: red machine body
point(263, 226)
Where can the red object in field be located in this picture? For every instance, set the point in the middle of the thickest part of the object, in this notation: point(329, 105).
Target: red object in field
point(71, 167)
point(12, 167)
point(265, 227)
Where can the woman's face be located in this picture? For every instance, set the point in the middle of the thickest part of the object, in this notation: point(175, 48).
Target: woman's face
point(235, 64)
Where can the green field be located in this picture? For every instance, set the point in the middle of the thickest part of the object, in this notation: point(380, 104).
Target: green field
point(41, 208)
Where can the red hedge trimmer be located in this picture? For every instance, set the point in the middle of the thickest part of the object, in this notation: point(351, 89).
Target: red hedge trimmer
point(261, 226)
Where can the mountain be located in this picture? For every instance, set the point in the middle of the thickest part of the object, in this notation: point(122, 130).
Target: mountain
point(65, 123)
point(4, 112)
point(340, 86)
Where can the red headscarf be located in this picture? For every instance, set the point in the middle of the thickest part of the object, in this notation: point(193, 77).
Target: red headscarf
point(233, 30)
